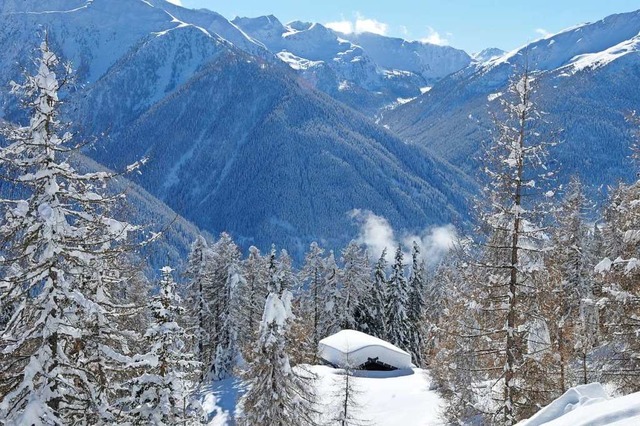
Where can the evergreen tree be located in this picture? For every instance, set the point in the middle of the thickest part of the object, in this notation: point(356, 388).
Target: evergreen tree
point(397, 319)
point(276, 394)
point(226, 274)
point(416, 308)
point(356, 281)
point(63, 254)
point(161, 395)
point(372, 308)
point(319, 277)
point(200, 283)
point(251, 296)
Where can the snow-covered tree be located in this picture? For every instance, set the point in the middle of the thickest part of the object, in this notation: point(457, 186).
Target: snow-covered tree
point(397, 318)
point(346, 395)
point(200, 282)
point(277, 394)
point(161, 395)
point(371, 312)
point(571, 308)
point(619, 283)
point(356, 281)
point(251, 296)
point(62, 255)
point(226, 276)
point(503, 331)
point(319, 277)
point(416, 308)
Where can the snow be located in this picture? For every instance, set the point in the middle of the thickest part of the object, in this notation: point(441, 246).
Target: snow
point(600, 59)
point(353, 348)
point(390, 398)
point(383, 398)
point(586, 405)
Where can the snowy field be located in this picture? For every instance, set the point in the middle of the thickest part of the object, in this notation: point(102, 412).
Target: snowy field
point(389, 398)
point(386, 398)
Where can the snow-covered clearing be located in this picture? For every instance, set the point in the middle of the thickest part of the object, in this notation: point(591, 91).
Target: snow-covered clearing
point(385, 398)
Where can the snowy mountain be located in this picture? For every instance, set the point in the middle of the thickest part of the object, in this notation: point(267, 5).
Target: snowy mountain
point(366, 71)
point(586, 79)
point(237, 141)
point(487, 54)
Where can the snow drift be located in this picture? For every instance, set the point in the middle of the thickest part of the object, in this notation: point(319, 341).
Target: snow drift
point(586, 405)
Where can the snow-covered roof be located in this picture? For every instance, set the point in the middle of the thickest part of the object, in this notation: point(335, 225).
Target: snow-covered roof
point(353, 348)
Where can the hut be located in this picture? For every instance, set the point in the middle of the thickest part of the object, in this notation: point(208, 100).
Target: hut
point(360, 351)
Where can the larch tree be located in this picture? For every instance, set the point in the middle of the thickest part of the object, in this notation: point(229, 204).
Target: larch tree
point(619, 283)
point(505, 328)
point(62, 255)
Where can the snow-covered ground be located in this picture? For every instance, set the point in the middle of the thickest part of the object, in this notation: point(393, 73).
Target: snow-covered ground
point(588, 405)
point(385, 398)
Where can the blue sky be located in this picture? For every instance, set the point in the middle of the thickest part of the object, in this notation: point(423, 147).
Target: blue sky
point(467, 24)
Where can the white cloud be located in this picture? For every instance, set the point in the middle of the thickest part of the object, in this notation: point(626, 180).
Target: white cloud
point(345, 27)
point(543, 32)
point(176, 2)
point(434, 37)
point(359, 25)
point(377, 234)
point(365, 25)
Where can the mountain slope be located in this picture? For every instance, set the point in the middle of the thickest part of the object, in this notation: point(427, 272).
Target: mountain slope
point(285, 164)
point(237, 142)
point(587, 80)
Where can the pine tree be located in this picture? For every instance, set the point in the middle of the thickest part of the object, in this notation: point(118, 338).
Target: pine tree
point(276, 394)
point(63, 254)
point(161, 395)
point(397, 319)
point(348, 410)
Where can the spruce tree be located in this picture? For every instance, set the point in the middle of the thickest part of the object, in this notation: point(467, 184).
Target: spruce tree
point(416, 308)
point(356, 280)
point(371, 312)
point(276, 394)
point(161, 394)
point(397, 303)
